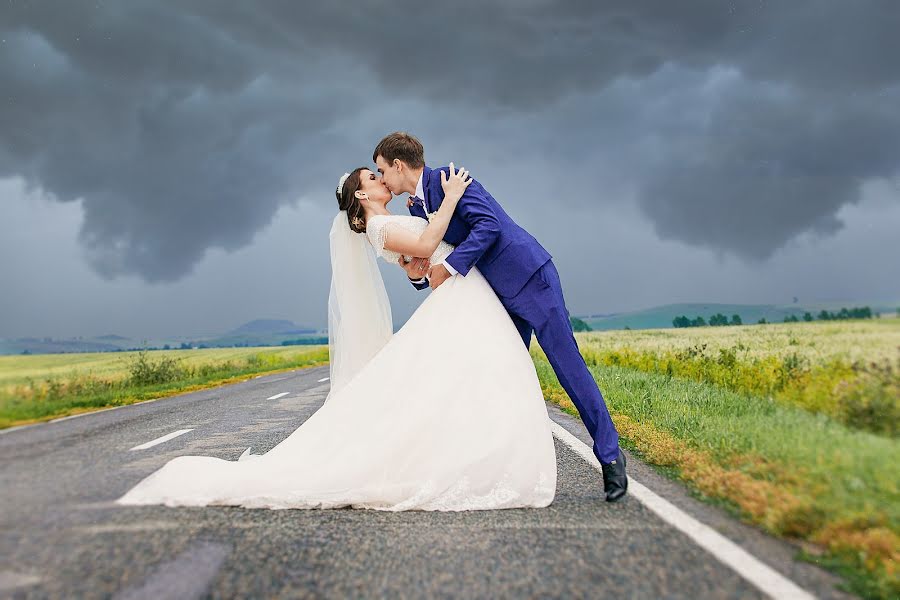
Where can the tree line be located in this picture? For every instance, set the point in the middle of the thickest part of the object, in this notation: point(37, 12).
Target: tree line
point(719, 320)
point(716, 320)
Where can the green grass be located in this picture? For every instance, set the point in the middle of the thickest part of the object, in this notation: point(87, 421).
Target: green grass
point(817, 342)
point(19, 369)
point(796, 474)
point(40, 388)
point(849, 371)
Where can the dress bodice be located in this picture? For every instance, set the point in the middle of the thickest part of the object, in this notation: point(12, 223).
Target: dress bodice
point(375, 231)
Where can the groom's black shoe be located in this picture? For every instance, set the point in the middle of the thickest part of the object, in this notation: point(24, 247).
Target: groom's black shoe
point(615, 482)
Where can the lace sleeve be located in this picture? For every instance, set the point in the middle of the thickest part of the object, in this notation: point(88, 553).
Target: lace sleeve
point(375, 231)
point(378, 228)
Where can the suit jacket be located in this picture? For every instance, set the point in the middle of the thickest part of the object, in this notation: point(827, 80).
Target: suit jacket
point(484, 236)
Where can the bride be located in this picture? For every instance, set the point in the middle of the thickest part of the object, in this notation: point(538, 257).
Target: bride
point(446, 414)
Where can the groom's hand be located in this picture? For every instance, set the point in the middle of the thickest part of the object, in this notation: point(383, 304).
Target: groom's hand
point(415, 269)
point(438, 275)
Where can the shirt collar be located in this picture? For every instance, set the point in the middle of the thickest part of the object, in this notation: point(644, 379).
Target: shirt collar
point(420, 191)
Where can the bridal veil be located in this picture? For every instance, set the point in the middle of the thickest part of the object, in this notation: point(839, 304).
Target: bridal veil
point(359, 312)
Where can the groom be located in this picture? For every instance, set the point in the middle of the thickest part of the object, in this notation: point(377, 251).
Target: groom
point(522, 274)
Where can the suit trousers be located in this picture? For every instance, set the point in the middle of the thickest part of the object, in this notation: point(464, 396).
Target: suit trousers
point(540, 308)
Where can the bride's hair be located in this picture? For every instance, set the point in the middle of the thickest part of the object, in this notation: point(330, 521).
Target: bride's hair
point(347, 200)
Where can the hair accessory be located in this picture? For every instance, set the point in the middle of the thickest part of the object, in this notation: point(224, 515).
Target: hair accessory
point(340, 187)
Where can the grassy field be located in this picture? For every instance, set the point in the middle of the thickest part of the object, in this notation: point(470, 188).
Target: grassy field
point(746, 417)
point(42, 387)
point(849, 371)
point(819, 341)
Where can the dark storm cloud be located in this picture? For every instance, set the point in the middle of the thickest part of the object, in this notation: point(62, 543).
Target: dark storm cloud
point(767, 163)
point(167, 127)
point(183, 126)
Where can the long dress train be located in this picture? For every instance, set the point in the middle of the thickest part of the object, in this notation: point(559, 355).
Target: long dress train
point(449, 415)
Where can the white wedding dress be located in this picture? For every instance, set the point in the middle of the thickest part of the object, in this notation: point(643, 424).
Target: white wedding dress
point(448, 416)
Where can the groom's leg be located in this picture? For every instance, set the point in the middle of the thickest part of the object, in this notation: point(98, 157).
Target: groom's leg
point(525, 329)
point(541, 304)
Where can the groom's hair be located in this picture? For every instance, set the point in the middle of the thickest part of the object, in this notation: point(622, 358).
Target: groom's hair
point(403, 146)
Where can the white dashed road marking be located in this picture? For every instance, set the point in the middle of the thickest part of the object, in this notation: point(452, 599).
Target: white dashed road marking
point(10, 580)
point(746, 565)
point(188, 575)
point(324, 379)
point(164, 438)
point(277, 396)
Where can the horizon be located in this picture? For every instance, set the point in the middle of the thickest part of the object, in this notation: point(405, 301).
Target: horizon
point(322, 328)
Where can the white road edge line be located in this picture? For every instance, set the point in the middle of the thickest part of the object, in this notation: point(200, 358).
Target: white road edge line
point(162, 439)
point(277, 396)
point(324, 379)
point(768, 580)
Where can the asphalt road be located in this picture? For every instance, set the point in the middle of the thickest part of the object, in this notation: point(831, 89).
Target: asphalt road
point(62, 537)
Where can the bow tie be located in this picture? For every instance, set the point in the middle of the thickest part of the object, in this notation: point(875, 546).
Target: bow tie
point(415, 200)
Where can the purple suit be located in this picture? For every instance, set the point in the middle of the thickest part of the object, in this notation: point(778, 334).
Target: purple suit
point(525, 279)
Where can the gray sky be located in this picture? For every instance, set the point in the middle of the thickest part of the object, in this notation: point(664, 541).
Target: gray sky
point(166, 168)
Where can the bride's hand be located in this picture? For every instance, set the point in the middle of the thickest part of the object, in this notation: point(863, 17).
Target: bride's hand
point(454, 185)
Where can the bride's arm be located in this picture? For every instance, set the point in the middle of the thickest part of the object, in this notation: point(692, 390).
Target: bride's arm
point(403, 241)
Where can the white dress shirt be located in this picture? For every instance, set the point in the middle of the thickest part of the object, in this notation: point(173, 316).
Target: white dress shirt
point(420, 193)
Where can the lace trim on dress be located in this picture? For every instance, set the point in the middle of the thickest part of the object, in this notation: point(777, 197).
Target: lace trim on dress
point(460, 496)
point(376, 232)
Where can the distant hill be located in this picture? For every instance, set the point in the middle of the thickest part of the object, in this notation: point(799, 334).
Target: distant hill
point(269, 326)
point(660, 317)
point(265, 332)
